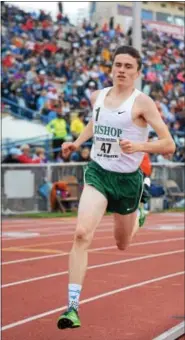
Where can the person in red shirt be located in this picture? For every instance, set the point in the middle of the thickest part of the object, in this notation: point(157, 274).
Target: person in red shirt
point(27, 160)
point(50, 46)
point(25, 156)
point(8, 60)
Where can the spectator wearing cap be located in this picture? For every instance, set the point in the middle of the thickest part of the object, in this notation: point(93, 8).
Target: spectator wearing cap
point(89, 90)
point(21, 155)
point(58, 127)
point(42, 78)
point(13, 156)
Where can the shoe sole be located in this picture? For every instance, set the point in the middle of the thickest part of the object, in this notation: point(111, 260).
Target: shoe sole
point(65, 323)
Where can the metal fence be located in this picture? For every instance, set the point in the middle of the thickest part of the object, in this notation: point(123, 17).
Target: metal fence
point(21, 183)
point(169, 171)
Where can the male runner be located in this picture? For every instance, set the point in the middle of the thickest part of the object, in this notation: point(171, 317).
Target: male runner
point(119, 125)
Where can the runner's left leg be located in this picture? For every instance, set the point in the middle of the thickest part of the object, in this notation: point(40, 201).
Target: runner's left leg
point(125, 227)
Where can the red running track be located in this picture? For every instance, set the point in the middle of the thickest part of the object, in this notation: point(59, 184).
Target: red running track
point(136, 294)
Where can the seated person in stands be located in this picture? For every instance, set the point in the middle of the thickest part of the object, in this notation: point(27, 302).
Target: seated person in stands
point(84, 155)
point(40, 155)
point(62, 159)
point(13, 156)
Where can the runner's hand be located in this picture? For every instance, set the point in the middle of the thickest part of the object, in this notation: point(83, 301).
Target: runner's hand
point(68, 147)
point(129, 147)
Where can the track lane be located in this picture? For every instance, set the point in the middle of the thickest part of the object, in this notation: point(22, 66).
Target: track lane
point(62, 243)
point(54, 290)
point(22, 271)
point(127, 318)
point(40, 295)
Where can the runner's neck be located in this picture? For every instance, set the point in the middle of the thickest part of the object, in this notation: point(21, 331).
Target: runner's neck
point(120, 91)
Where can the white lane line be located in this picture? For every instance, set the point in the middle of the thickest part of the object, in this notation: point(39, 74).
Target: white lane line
point(48, 231)
point(70, 225)
point(40, 221)
point(52, 226)
point(90, 250)
point(93, 267)
point(173, 333)
point(70, 230)
point(93, 298)
point(49, 222)
point(65, 232)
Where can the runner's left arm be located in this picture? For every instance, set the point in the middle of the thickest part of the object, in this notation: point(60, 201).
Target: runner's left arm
point(164, 144)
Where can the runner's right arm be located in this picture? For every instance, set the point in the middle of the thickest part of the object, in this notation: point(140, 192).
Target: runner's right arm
point(68, 147)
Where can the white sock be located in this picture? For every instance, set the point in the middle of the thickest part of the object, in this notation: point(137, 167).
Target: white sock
point(74, 291)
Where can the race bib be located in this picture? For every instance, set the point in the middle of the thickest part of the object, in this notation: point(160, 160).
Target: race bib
point(106, 148)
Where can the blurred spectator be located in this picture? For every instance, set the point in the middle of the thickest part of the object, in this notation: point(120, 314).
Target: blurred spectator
point(25, 149)
point(46, 63)
point(21, 155)
point(62, 158)
point(13, 156)
point(84, 155)
point(40, 155)
point(58, 127)
point(77, 125)
point(42, 100)
point(25, 157)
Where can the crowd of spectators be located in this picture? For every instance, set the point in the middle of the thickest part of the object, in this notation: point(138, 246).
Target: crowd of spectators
point(52, 67)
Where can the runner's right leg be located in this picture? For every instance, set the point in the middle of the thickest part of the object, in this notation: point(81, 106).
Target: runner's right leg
point(92, 207)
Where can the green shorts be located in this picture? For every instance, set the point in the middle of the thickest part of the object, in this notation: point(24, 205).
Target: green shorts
point(122, 190)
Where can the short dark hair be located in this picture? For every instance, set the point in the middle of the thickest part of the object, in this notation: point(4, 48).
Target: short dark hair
point(131, 51)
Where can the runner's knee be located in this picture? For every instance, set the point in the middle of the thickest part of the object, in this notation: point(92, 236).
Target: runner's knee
point(82, 235)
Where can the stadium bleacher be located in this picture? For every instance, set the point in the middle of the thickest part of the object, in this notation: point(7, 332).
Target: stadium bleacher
point(47, 64)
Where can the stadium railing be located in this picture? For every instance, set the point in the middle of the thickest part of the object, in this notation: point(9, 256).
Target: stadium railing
point(18, 111)
point(22, 183)
point(43, 141)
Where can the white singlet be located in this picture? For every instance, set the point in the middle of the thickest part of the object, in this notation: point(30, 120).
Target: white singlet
point(112, 125)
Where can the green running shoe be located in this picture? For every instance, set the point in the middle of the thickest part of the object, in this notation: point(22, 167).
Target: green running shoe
point(142, 216)
point(69, 319)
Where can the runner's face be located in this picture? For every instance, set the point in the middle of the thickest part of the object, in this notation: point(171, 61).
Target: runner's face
point(125, 70)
